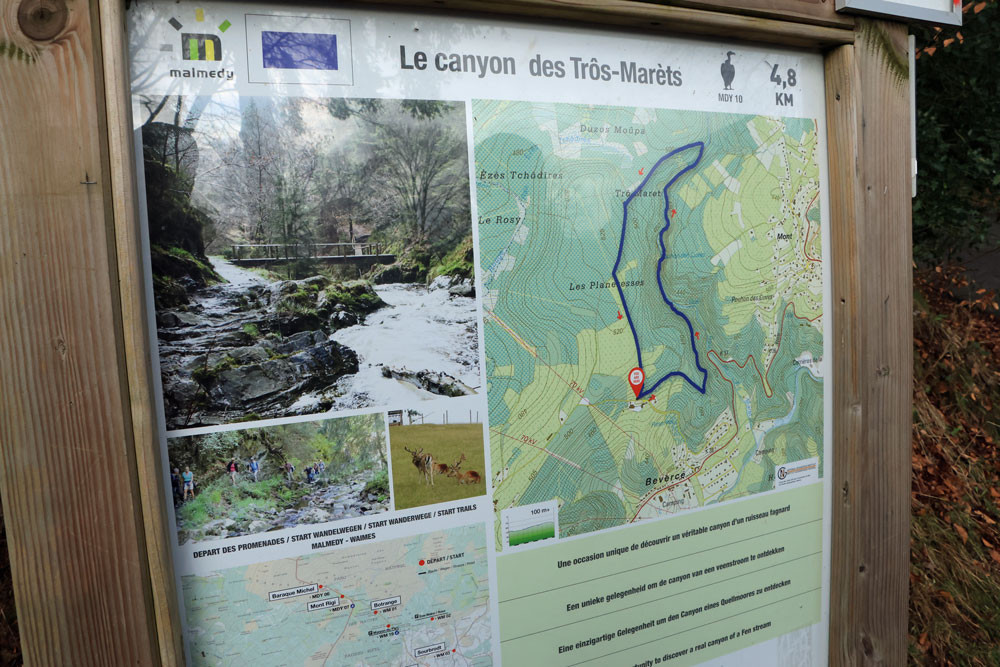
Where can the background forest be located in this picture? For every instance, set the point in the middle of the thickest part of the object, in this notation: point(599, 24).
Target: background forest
point(302, 170)
point(955, 541)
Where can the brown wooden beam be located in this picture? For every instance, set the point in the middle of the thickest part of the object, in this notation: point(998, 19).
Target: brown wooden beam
point(68, 475)
point(869, 145)
point(648, 17)
point(817, 12)
point(123, 199)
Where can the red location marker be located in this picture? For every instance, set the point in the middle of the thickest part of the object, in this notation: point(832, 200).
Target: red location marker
point(421, 562)
point(635, 379)
point(375, 613)
point(619, 314)
point(432, 618)
point(341, 595)
point(643, 169)
point(673, 212)
point(696, 334)
point(652, 397)
point(321, 585)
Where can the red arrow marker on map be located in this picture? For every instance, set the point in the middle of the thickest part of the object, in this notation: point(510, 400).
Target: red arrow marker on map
point(635, 379)
point(641, 170)
point(619, 314)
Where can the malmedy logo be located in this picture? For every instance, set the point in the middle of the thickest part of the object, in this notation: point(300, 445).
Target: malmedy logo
point(200, 47)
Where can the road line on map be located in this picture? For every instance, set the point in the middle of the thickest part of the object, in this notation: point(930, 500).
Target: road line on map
point(808, 228)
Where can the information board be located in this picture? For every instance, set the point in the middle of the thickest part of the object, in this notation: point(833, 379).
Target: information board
point(486, 341)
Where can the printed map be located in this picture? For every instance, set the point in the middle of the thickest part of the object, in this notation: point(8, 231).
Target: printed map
point(420, 600)
point(685, 244)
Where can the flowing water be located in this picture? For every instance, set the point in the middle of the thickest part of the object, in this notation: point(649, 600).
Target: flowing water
point(423, 328)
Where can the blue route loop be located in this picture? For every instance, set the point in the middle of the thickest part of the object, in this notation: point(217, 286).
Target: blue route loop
point(659, 265)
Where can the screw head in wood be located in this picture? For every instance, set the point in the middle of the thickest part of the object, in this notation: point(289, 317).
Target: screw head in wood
point(42, 20)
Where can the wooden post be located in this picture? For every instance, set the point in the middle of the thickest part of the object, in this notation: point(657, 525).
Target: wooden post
point(869, 145)
point(70, 486)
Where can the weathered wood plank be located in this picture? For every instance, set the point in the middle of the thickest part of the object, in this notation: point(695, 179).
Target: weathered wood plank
point(867, 103)
point(136, 342)
point(818, 12)
point(68, 470)
point(651, 17)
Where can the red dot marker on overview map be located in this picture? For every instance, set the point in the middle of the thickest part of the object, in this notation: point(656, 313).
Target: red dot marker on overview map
point(635, 379)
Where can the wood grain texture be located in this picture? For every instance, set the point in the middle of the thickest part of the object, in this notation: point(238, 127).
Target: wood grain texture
point(68, 470)
point(648, 17)
point(159, 532)
point(818, 12)
point(868, 125)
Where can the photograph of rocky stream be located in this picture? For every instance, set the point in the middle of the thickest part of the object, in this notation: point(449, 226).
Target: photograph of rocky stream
point(308, 255)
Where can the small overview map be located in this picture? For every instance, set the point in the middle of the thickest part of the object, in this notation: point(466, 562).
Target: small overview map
point(421, 600)
point(653, 306)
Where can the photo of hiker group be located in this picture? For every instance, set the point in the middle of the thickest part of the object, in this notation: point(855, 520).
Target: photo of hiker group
point(308, 255)
point(232, 483)
point(437, 455)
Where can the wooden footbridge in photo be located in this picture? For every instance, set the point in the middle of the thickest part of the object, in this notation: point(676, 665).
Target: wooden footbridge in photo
point(359, 254)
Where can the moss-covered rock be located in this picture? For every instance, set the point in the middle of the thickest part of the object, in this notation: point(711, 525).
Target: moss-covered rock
point(355, 296)
point(410, 267)
point(457, 264)
point(176, 273)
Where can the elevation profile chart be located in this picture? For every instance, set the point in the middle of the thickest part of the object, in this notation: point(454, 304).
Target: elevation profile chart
point(529, 524)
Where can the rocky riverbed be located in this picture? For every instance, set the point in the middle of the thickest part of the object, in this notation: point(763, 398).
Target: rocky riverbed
point(328, 502)
point(249, 348)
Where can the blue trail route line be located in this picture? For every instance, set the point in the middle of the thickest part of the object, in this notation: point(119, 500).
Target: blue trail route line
point(659, 265)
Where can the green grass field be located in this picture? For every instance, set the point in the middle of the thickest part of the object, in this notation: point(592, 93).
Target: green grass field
point(446, 443)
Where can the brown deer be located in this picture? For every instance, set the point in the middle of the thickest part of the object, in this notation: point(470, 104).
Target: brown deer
point(441, 468)
point(424, 464)
point(464, 476)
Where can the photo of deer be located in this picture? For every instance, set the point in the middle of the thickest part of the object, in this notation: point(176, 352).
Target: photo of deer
point(425, 464)
point(437, 457)
point(463, 476)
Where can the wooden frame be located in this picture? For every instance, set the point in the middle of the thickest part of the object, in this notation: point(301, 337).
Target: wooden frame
point(81, 478)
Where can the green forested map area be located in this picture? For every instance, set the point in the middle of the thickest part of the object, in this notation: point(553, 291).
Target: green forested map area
point(686, 244)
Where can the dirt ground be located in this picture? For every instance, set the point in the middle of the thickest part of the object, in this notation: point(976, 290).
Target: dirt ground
point(10, 640)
